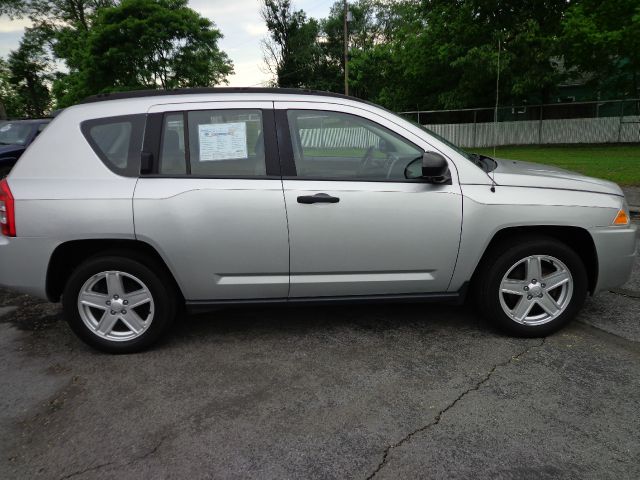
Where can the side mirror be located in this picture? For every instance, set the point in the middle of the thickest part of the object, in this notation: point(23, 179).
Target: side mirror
point(435, 168)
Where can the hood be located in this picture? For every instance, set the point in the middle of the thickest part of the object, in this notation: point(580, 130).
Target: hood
point(527, 174)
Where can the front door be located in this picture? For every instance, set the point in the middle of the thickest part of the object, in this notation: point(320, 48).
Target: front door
point(357, 226)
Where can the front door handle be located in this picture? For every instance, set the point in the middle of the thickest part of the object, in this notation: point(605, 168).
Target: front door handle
point(318, 198)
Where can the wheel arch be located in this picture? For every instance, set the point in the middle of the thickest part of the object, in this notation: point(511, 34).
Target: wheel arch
point(69, 255)
point(576, 238)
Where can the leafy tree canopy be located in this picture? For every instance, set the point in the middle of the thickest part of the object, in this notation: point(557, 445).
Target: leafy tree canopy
point(409, 54)
point(602, 40)
point(25, 76)
point(108, 45)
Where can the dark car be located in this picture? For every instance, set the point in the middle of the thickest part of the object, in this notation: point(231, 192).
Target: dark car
point(15, 137)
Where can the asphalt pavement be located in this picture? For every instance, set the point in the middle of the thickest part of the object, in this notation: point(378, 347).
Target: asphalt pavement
point(393, 391)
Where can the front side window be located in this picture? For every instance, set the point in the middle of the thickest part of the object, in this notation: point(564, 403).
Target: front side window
point(117, 141)
point(336, 145)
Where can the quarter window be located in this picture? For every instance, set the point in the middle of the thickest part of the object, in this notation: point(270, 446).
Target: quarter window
point(117, 141)
point(336, 145)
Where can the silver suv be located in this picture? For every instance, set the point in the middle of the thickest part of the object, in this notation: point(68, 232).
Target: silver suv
point(131, 205)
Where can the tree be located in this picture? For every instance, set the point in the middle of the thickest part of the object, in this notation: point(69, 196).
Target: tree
point(62, 26)
point(13, 8)
point(428, 53)
point(109, 45)
point(8, 96)
point(29, 76)
point(602, 39)
point(379, 31)
point(291, 51)
point(151, 44)
point(364, 33)
point(53, 11)
point(456, 53)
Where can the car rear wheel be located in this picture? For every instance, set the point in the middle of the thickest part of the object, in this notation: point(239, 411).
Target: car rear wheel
point(533, 287)
point(118, 305)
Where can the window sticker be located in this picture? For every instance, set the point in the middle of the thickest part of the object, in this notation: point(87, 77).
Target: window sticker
point(222, 141)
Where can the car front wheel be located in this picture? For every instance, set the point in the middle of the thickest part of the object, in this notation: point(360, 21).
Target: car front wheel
point(533, 287)
point(118, 305)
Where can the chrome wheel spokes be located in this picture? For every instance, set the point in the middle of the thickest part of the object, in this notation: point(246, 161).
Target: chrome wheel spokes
point(536, 290)
point(116, 306)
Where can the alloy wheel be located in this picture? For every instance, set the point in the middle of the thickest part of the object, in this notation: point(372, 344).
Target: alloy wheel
point(536, 290)
point(116, 306)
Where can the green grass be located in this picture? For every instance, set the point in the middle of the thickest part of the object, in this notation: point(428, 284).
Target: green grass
point(619, 163)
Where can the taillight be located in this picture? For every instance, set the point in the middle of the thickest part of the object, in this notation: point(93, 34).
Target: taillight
point(7, 210)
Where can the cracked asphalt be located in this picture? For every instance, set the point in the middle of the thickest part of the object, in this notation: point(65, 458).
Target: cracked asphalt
point(394, 391)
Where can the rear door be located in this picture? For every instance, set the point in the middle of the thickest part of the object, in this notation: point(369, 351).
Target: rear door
point(212, 203)
point(357, 225)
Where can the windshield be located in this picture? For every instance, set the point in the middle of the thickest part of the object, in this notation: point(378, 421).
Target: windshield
point(481, 161)
point(14, 133)
point(466, 155)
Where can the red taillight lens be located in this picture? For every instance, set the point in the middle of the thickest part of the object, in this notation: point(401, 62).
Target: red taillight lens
point(7, 211)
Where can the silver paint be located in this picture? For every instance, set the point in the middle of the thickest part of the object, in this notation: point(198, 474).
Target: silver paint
point(246, 239)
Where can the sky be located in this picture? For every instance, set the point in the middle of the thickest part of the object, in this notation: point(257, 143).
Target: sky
point(238, 20)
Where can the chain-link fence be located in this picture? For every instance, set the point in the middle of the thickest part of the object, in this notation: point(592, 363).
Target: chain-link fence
point(611, 121)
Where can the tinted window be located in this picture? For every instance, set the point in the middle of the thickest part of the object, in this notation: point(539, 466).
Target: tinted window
point(117, 141)
point(221, 143)
point(226, 143)
point(172, 152)
point(339, 145)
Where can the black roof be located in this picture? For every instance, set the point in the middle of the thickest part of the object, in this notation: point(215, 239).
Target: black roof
point(190, 91)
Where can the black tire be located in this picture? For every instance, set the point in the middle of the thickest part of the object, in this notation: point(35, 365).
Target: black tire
point(498, 262)
point(160, 287)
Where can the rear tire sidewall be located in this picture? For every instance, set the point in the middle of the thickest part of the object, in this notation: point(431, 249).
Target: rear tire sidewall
point(504, 258)
point(163, 296)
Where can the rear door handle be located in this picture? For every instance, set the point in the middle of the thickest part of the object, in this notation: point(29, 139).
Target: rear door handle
point(318, 198)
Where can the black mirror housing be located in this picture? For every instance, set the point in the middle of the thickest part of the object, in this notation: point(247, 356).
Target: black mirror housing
point(435, 168)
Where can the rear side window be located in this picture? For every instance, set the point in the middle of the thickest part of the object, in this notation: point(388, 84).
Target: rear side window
point(117, 141)
point(213, 143)
point(172, 153)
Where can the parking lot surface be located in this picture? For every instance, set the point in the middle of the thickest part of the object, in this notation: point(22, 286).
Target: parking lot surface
point(393, 391)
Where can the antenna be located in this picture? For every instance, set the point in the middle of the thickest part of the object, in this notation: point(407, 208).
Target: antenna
point(495, 112)
point(346, 47)
point(495, 118)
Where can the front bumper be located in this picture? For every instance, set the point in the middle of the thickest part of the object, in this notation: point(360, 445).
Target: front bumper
point(616, 249)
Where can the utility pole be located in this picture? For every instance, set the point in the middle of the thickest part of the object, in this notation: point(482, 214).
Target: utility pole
point(346, 48)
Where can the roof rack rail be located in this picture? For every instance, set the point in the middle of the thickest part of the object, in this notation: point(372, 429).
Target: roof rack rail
point(101, 97)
